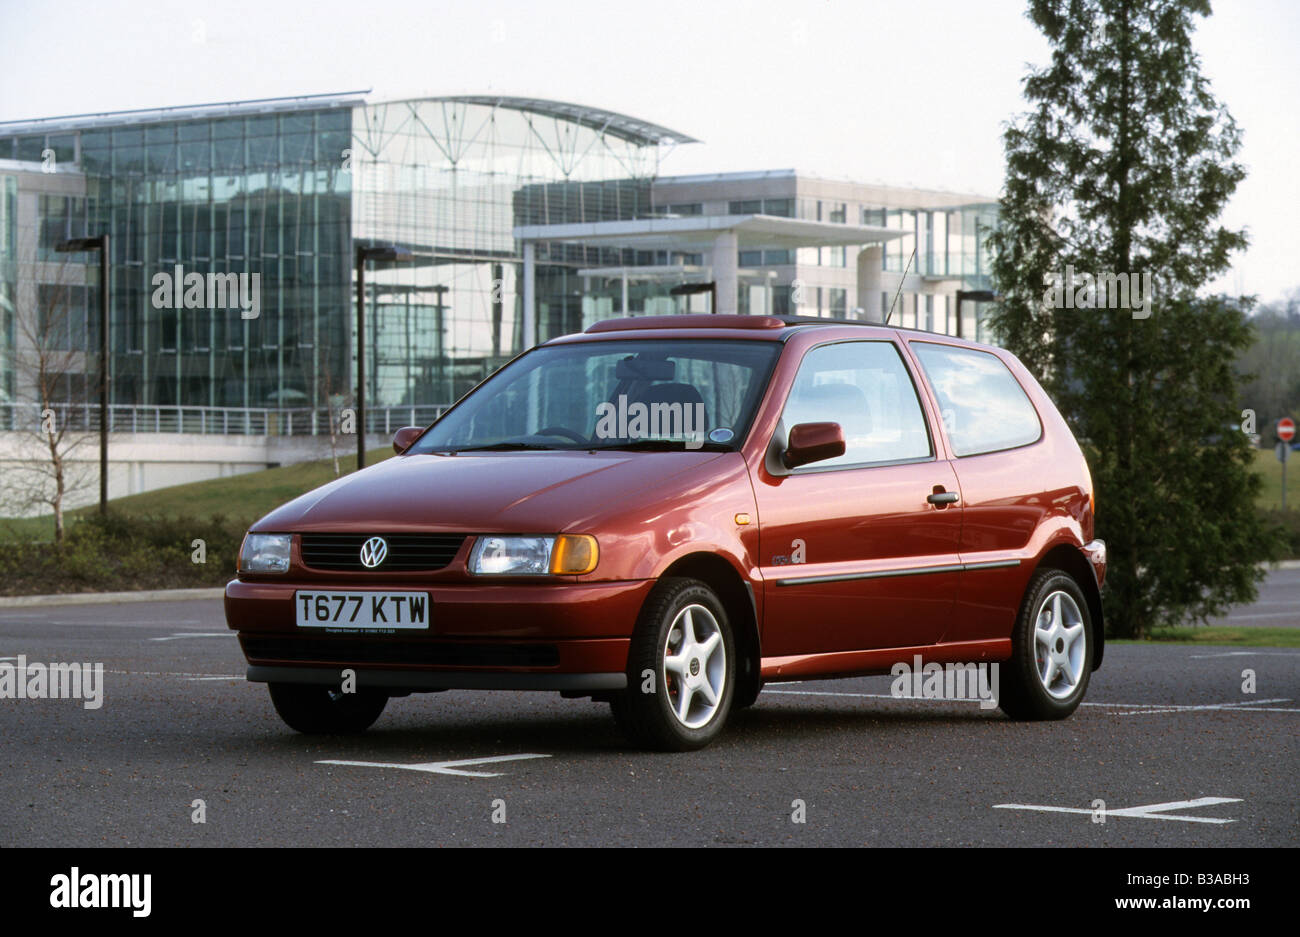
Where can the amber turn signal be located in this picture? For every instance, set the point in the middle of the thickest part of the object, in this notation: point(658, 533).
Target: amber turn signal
point(574, 554)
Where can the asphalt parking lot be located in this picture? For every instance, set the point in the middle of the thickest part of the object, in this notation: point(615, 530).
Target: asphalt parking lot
point(1167, 738)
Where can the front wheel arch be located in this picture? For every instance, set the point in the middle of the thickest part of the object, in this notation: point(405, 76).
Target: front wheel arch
point(738, 601)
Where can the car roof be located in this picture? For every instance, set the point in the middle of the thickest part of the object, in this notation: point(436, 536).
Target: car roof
point(777, 328)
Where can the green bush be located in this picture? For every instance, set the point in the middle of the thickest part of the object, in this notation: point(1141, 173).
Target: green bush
point(121, 552)
point(1289, 524)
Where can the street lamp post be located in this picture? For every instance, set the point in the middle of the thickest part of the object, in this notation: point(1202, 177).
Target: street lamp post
point(689, 289)
point(365, 254)
point(978, 296)
point(76, 246)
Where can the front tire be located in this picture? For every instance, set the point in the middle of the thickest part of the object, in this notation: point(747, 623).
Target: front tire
point(1051, 650)
point(322, 710)
point(681, 672)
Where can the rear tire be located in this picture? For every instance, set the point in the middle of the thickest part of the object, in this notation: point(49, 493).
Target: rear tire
point(681, 670)
point(1051, 650)
point(322, 710)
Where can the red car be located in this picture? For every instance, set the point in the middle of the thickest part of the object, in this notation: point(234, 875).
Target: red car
point(667, 513)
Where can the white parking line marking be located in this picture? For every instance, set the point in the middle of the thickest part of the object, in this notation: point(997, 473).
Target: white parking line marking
point(1147, 812)
point(188, 676)
point(1175, 708)
point(196, 634)
point(85, 621)
point(1138, 709)
point(442, 767)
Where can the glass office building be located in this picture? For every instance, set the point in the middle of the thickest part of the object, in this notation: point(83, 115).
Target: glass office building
point(287, 190)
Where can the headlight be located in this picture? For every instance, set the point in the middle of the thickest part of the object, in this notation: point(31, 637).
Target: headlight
point(265, 553)
point(566, 554)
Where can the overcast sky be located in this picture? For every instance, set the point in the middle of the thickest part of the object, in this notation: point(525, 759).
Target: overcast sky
point(908, 92)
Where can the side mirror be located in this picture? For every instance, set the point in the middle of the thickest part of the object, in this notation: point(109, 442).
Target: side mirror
point(403, 438)
point(813, 442)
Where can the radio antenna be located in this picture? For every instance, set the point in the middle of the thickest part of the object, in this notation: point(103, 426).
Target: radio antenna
point(900, 284)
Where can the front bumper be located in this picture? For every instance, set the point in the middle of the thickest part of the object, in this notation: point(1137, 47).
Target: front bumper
point(426, 681)
point(549, 636)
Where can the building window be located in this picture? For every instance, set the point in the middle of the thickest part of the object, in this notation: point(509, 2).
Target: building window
point(780, 207)
point(781, 299)
point(747, 207)
point(839, 213)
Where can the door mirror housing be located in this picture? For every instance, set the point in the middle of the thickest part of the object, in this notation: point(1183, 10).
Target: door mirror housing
point(403, 438)
point(813, 442)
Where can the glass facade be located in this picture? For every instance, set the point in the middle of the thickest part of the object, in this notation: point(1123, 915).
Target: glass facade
point(263, 194)
point(288, 194)
point(948, 242)
point(8, 283)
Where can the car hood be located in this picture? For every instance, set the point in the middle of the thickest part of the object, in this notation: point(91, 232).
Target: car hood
point(502, 492)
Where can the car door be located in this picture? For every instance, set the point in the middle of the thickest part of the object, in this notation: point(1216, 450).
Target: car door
point(1013, 478)
point(859, 551)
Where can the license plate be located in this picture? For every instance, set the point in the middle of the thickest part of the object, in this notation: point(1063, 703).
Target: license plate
point(361, 610)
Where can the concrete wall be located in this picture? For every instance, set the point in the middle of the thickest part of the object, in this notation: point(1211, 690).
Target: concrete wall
point(140, 462)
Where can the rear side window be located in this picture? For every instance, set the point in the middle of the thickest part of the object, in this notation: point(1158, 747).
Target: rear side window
point(864, 387)
point(984, 407)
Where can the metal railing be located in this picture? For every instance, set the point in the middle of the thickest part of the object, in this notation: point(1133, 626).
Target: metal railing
point(218, 421)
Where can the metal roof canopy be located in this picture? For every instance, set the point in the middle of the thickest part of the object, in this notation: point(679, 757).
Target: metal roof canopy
point(622, 126)
point(703, 231)
point(639, 132)
point(185, 112)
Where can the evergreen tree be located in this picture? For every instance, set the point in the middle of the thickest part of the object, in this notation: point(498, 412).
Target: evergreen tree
point(1121, 169)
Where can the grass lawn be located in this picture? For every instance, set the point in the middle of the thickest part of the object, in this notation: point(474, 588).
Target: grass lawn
point(1225, 636)
point(1270, 469)
point(239, 497)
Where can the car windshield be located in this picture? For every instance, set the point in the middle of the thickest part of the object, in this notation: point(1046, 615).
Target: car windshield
point(631, 395)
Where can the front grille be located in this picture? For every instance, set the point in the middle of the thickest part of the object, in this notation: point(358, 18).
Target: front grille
point(406, 552)
point(376, 650)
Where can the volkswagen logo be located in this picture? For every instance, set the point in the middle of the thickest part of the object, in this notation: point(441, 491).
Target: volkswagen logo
point(373, 552)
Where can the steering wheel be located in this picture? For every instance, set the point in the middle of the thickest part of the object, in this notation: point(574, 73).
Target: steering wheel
point(562, 431)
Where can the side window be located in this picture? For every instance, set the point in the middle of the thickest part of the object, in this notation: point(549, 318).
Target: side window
point(984, 408)
point(864, 387)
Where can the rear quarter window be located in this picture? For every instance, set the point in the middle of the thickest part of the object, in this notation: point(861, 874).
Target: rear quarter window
point(984, 408)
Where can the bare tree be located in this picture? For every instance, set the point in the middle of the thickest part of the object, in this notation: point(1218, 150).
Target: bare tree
point(335, 394)
point(50, 414)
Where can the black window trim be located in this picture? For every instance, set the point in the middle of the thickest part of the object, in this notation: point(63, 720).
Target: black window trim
point(814, 468)
point(935, 396)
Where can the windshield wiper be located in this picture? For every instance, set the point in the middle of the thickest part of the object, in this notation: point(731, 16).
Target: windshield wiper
point(500, 447)
point(661, 445)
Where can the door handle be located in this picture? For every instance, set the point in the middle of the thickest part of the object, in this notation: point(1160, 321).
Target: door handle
point(943, 497)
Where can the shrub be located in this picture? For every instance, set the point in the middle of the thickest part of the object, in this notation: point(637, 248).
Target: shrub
point(120, 552)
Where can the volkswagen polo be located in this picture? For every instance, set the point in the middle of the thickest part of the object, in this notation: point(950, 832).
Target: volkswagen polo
point(666, 514)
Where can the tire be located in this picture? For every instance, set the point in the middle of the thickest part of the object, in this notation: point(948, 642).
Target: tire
point(322, 710)
point(743, 699)
point(684, 639)
point(1051, 650)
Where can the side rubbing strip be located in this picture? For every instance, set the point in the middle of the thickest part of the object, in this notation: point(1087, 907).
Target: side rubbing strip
point(891, 573)
point(992, 564)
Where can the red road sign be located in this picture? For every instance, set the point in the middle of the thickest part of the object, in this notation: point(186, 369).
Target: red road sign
point(1286, 429)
